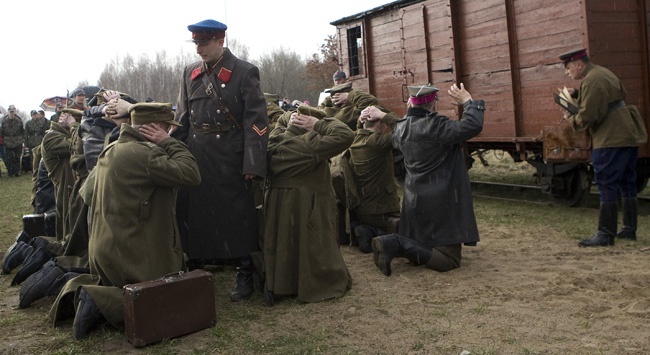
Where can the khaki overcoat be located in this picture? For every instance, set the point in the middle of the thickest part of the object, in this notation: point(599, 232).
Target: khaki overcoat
point(301, 251)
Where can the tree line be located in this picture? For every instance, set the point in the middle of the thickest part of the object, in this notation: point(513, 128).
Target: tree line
point(282, 72)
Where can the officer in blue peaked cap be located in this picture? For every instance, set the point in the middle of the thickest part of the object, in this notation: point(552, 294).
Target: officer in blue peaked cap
point(207, 29)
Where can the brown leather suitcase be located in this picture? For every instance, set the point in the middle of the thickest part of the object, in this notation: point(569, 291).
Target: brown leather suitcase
point(34, 224)
point(174, 305)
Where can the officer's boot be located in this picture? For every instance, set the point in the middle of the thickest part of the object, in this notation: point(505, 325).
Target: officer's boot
point(244, 287)
point(385, 248)
point(630, 212)
point(417, 252)
point(607, 221)
point(364, 235)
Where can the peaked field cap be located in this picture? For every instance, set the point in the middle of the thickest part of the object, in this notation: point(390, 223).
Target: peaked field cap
point(339, 75)
point(422, 94)
point(346, 87)
point(33, 112)
point(77, 92)
point(148, 112)
point(311, 111)
point(207, 29)
point(11, 108)
point(572, 55)
point(73, 111)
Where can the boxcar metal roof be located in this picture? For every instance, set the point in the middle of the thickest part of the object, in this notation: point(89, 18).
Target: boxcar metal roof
point(379, 9)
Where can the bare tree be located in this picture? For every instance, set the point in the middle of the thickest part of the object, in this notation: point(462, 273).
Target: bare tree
point(154, 79)
point(283, 72)
point(320, 69)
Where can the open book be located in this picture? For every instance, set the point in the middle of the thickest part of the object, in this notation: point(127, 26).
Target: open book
point(564, 99)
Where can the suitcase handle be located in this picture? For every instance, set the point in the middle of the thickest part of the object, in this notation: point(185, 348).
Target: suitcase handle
point(172, 275)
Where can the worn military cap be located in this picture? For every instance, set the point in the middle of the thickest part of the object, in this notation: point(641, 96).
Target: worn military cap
point(148, 112)
point(422, 94)
point(572, 55)
point(11, 108)
point(311, 111)
point(33, 112)
point(340, 88)
point(59, 105)
point(77, 92)
point(77, 114)
point(207, 29)
point(339, 75)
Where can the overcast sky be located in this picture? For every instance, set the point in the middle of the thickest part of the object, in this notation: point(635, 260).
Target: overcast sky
point(48, 46)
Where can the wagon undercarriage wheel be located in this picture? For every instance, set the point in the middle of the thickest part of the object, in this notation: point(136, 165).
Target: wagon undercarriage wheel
point(570, 188)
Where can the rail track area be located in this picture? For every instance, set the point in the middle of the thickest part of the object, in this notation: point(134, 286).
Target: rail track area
point(521, 193)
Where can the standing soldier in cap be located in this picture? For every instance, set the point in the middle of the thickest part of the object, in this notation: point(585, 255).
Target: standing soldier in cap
point(224, 122)
point(57, 112)
point(616, 131)
point(78, 97)
point(13, 134)
point(35, 131)
point(437, 215)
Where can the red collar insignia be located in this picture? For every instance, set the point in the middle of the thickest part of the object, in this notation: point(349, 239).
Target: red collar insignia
point(196, 72)
point(224, 75)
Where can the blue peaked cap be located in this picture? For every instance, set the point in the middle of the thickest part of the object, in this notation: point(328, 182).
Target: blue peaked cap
point(207, 26)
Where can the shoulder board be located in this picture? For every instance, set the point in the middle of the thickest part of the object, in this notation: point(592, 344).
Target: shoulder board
point(150, 144)
point(328, 119)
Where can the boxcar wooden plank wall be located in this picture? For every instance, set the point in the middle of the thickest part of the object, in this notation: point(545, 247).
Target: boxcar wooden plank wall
point(544, 29)
point(485, 62)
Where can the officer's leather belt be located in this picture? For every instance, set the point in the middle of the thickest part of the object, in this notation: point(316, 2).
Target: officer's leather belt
point(616, 105)
point(211, 128)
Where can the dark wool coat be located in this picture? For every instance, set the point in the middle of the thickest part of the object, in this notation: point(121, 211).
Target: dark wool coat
point(301, 253)
point(437, 203)
point(219, 216)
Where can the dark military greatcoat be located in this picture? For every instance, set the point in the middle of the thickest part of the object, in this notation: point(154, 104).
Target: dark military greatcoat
point(219, 216)
point(437, 203)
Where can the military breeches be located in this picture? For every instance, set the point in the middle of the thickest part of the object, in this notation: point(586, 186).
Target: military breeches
point(445, 258)
point(13, 160)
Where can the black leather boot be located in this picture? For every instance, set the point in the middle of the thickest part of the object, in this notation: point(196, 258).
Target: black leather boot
point(15, 256)
point(32, 264)
point(607, 221)
point(417, 252)
point(37, 285)
point(384, 249)
point(244, 287)
point(364, 235)
point(630, 211)
point(87, 317)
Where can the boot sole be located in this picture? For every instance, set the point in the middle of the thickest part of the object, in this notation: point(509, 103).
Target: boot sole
point(380, 256)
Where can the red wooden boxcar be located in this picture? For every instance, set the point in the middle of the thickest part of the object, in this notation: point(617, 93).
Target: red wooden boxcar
point(506, 53)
